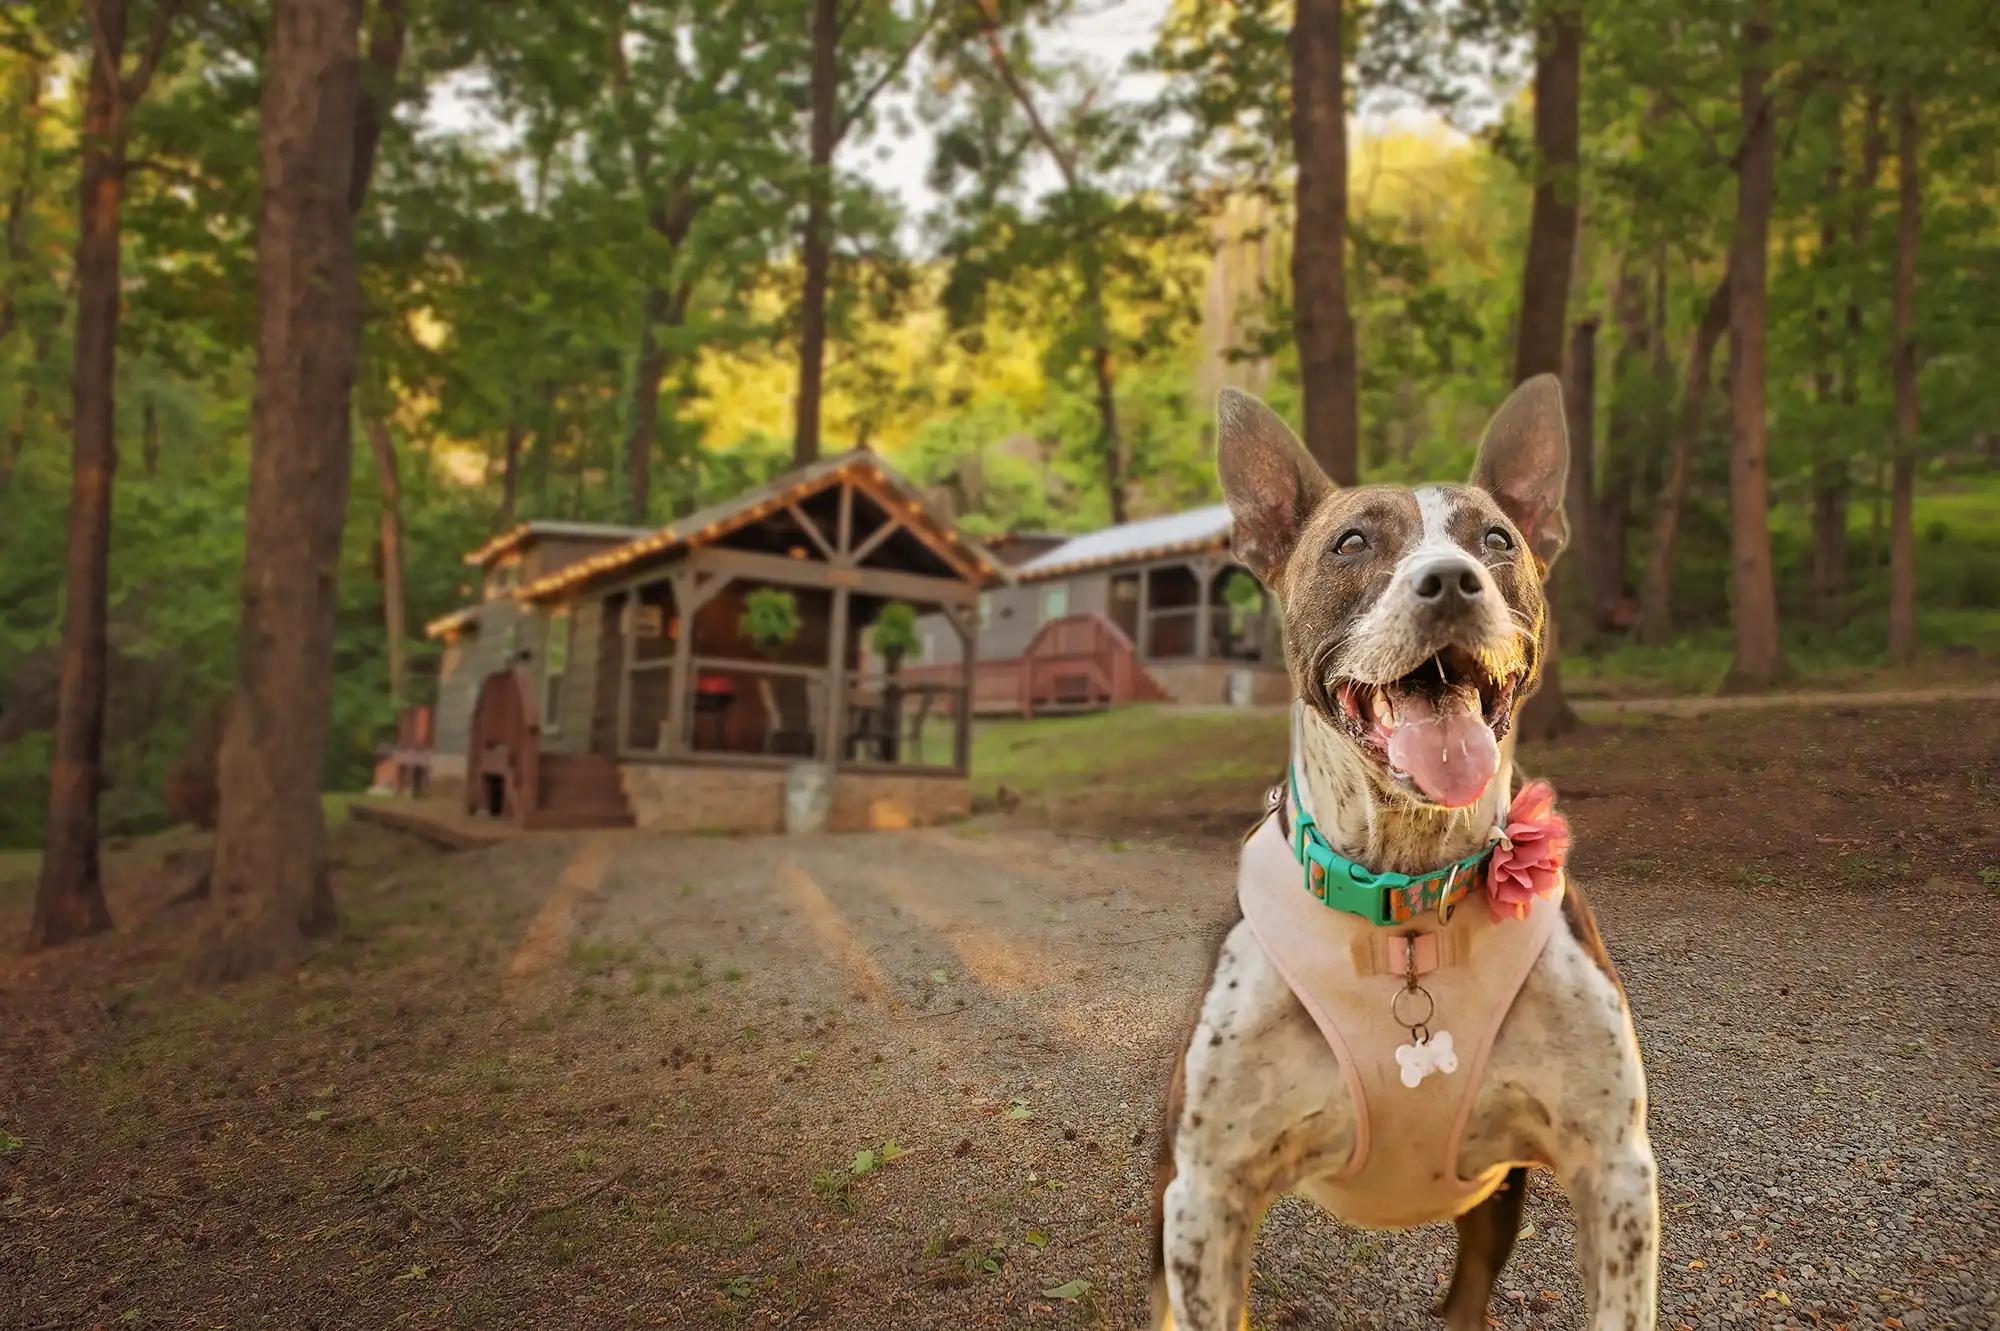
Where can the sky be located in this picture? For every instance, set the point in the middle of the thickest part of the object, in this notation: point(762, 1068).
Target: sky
point(1105, 33)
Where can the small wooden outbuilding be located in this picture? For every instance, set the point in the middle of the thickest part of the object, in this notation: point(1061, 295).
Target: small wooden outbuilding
point(676, 679)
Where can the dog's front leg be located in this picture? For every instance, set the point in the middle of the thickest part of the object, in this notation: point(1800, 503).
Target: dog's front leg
point(1209, 1224)
point(1616, 1197)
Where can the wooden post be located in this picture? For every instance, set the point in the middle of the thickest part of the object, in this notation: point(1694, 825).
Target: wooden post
point(1204, 573)
point(845, 536)
point(683, 681)
point(1142, 648)
point(627, 653)
point(836, 675)
point(967, 625)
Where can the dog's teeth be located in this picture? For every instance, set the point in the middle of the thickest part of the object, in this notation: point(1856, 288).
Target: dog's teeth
point(1378, 706)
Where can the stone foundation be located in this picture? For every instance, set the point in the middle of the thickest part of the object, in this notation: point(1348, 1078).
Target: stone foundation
point(1207, 682)
point(683, 797)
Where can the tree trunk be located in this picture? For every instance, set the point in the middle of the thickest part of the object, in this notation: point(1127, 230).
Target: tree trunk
point(1573, 583)
point(1656, 619)
point(1107, 427)
point(816, 246)
point(27, 132)
point(1321, 322)
point(149, 438)
point(395, 622)
point(1630, 429)
point(1829, 482)
point(510, 475)
point(69, 899)
point(270, 888)
point(647, 370)
point(1903, 315)
point(1538, 344)
point(1831, 486)
point(1760, 657)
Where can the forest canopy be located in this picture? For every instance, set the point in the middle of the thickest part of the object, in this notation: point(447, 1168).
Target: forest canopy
point(603, 246)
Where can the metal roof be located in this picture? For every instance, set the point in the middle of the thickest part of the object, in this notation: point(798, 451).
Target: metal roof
point(1131, 542)
point(515, 537)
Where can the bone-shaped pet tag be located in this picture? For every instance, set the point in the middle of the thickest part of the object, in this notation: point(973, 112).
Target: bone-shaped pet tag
point(1433, 1054)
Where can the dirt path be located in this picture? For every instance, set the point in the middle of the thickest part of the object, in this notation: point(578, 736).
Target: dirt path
point(660, 1117)
point(1760, 701)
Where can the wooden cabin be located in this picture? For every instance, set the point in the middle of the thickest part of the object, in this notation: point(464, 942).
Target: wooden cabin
point(497, 632)
point(1152, 610)
point(677, 679)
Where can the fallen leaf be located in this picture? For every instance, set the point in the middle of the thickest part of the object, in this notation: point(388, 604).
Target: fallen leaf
point(1038, 1238)
point(1069, 1289)
point(1527, 1232)
point(1697, 1264)
point(940, 977)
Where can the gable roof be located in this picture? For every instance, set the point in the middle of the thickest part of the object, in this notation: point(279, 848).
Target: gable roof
point(705, 526)
point(1130, 542)
point(515, 537)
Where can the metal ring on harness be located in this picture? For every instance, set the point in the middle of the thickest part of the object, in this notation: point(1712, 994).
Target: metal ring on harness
point(1395, 1006)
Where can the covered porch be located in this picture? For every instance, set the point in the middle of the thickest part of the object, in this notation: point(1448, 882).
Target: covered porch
point(768, 632)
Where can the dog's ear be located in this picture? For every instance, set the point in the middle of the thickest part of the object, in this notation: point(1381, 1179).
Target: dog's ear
point(1524, 464)
point(1271, 482)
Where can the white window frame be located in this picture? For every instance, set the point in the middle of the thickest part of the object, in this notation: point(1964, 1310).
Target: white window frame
point(1055, 601)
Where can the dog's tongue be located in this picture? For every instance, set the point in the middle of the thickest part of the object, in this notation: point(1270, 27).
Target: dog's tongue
point(1444, 744)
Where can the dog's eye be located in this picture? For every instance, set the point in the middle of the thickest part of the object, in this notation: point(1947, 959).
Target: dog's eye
point(1350, 543)
point(1498, 541)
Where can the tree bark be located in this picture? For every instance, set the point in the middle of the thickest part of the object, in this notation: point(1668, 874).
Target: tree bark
point(1760, 659)
point(1545, 277)
point(650, 365)
point(395, 619)
point(1829, 481)
point(1630, 429)
point(1575, 583)
point(20, 199)
point(1321, 321)
point(270, 889)
point(1857, 238)
point(816, 246)
point(1903, 315)
point(1656, 620)
point(149, 437)
point(69, 899)
point(510, 475)
point(1109, 439)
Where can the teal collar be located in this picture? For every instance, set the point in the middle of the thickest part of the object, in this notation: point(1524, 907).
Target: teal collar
point(1379, 898)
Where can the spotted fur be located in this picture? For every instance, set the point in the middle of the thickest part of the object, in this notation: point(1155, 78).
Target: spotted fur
point(1258, 1106)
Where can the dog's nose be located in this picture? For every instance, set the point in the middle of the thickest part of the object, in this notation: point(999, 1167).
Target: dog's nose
point(1447, 584)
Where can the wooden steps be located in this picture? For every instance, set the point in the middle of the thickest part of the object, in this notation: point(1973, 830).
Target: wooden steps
point(577, 790)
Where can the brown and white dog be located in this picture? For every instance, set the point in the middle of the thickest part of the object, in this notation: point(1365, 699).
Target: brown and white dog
point(1413, 624)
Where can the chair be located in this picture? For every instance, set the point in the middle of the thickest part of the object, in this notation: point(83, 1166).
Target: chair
point(778, 738)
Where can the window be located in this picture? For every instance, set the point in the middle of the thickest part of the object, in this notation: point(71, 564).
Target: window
point(556, 654)
point(1055, 602)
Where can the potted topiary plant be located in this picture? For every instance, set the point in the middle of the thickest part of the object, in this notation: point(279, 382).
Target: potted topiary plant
point(894, 638)
point(770, 619)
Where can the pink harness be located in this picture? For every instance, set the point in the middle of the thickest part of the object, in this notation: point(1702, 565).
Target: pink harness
point(1351, 974)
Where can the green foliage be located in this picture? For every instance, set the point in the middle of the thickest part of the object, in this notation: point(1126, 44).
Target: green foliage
point(617, 178)
point(895, 635)
point(770, 617)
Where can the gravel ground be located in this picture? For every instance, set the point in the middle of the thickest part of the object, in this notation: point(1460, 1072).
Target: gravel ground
point(624, 1080)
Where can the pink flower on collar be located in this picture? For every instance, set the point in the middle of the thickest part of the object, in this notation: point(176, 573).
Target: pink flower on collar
point(1529, 859)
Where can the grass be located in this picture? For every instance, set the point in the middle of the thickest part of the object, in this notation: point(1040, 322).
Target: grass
point(1147, 751)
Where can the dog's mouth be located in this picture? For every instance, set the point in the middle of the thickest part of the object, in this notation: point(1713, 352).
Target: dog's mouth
point(1437, 729)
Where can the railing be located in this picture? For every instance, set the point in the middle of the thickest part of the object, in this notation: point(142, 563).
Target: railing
point(1075, 663)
